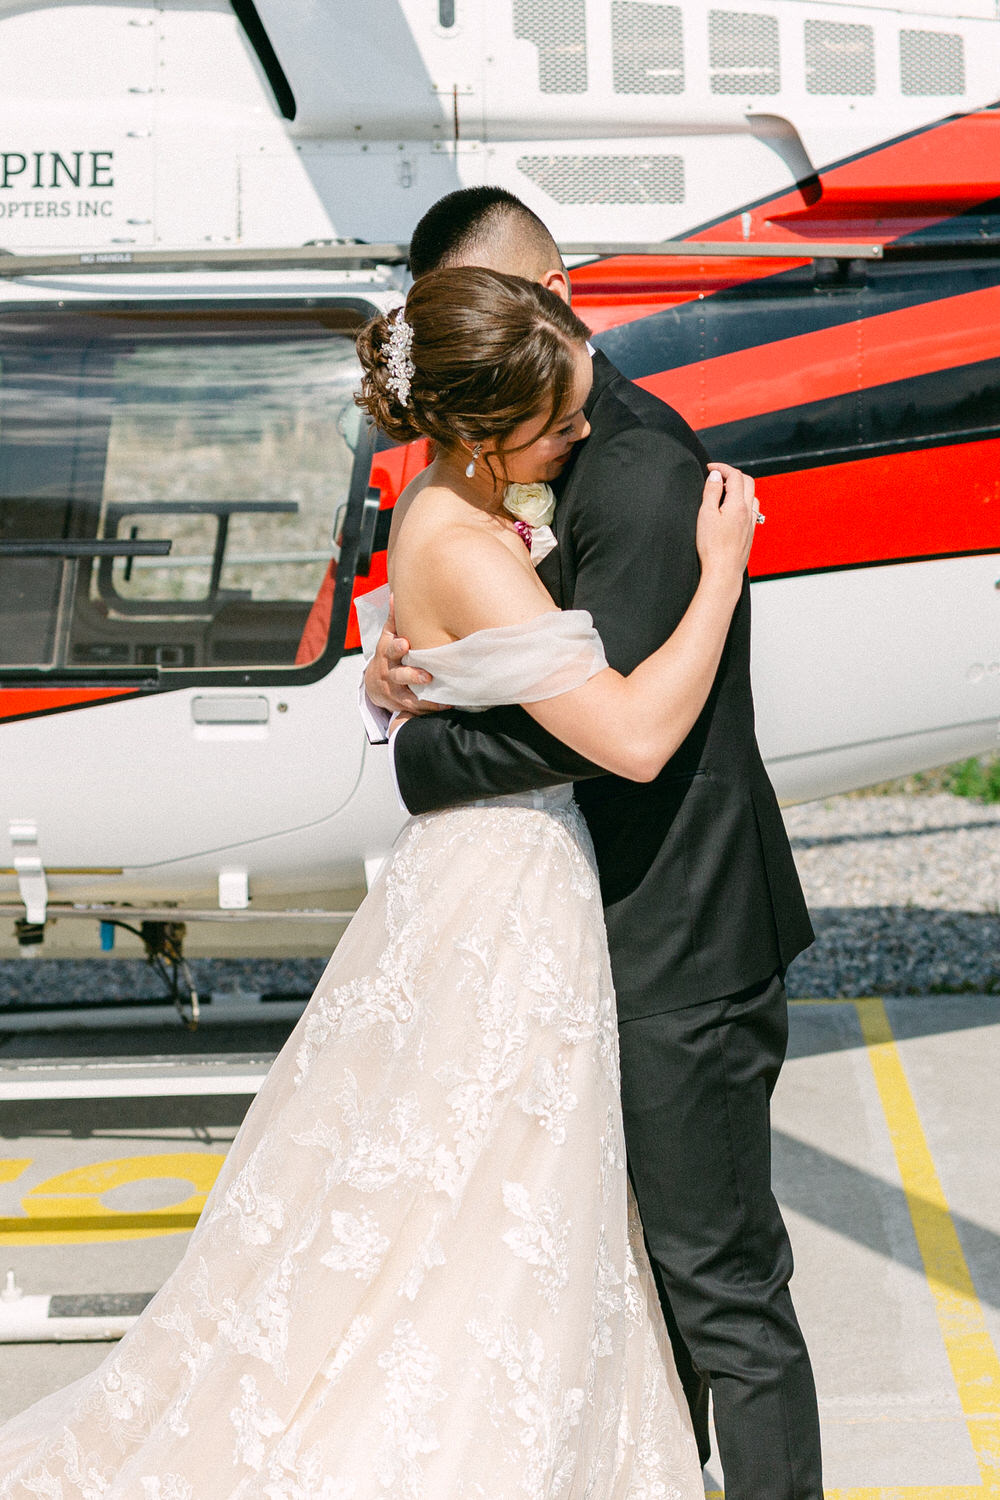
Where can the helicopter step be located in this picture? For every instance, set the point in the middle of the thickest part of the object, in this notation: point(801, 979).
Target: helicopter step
point(86, 1317)
point(160, 1076)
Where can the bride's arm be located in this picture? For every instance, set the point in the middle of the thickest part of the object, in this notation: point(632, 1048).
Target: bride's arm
point(630, 725)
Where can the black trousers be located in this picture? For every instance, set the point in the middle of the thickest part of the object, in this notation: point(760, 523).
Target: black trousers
point(696, 1090)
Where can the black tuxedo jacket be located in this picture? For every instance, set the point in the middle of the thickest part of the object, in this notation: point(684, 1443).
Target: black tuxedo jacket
point(701, 894)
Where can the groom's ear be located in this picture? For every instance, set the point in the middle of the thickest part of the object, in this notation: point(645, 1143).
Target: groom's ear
point(558, 282)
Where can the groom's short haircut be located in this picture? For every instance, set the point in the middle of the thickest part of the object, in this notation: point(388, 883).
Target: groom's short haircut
point(483, 226)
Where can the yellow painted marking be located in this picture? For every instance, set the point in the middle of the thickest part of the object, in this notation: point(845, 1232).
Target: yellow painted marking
point(914, 1492)
point(974, 1363)
point(975, 1366)
point(820, 1000)
point(67, 1209)
point(898, 1492)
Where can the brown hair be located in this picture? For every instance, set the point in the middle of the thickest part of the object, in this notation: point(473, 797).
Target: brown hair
point(489, 352)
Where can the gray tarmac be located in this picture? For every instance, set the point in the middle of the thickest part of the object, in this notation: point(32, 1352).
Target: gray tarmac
point(886, 1151)
point(894, 1275)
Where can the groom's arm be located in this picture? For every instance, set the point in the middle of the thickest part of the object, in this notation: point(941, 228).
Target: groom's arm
point(456, 756)
point(634, 517)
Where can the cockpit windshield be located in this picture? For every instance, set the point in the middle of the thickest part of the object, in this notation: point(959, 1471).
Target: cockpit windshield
point(173, 484)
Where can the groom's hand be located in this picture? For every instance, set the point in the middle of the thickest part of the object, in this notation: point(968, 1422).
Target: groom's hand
point(387, 682)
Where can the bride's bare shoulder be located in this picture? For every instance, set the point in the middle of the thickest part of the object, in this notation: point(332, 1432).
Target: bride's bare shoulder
point(441, 534)
point(424, 509)
point(452, 571)
point(404, 504)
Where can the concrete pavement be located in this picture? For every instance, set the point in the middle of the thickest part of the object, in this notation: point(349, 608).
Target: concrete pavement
point(886, 1162)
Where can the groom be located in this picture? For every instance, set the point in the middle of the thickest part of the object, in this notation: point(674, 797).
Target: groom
point(703, 906)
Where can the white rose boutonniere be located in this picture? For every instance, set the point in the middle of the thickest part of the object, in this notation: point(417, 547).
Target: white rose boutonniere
point(534, 504)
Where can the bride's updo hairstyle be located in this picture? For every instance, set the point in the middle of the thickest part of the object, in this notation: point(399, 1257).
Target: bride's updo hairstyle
point(489, 352)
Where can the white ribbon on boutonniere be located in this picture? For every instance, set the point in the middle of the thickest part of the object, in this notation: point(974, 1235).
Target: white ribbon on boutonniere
point(535, 505)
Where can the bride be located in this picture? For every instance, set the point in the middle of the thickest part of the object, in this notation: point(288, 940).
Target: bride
point(419, 1273)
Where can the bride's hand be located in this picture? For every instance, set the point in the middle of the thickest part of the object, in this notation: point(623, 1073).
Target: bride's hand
point(387, 682)
point(726, 522)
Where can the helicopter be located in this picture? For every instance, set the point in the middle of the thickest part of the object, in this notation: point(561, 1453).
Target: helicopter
point(782, 217)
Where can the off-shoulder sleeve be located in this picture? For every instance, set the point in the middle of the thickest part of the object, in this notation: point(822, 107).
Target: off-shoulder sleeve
point(372, 610)
point(526, 663)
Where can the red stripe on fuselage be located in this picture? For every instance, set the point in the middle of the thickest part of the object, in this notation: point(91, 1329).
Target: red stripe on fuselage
point(815, 366)
point(392, 470)
point(26, 703)
point(896, 188)
point(624, 288)
point(929, 503)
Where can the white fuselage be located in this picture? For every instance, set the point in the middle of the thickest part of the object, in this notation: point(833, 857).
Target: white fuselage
point(129, 127)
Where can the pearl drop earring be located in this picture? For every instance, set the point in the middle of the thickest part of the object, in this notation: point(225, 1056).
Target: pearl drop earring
point(470, 467)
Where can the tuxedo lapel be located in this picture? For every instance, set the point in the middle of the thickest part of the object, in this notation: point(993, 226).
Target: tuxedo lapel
point(552, 570)
point(550, 573)
point(557, 571)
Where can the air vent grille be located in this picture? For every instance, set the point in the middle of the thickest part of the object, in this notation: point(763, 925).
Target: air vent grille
point(840, 59)
point(743, 53)
point(607, 179)
point(931, 62)
point(647, 43)
point(558, 29)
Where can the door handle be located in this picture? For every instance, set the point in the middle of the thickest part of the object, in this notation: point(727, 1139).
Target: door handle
point(236, 709)
point(370, 508)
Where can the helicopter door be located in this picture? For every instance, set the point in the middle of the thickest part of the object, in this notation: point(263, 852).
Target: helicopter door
point(175, 488)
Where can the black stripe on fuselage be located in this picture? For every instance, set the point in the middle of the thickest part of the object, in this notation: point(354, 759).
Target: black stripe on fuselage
point(784, 306)
point(960, 405)
point(980, 222)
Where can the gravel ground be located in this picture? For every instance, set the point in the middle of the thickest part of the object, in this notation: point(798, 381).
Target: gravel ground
point(39, 981)
point(904, 893)
point(936, 852)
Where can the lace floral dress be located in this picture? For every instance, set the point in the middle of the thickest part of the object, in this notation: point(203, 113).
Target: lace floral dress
point(419, 1274)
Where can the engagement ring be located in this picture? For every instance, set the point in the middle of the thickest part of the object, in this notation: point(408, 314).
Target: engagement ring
point(759, 519)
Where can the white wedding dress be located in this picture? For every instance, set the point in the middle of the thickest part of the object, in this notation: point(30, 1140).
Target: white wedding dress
point(419, 1274)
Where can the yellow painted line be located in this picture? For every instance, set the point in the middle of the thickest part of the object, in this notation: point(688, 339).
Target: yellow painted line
point(67, 1209)
point(974, 1363)
point(821, 1000)
point(50, 1219)
point(11, 1167)
point(67, 1228)
point(898, 1492)
point(914, 1492)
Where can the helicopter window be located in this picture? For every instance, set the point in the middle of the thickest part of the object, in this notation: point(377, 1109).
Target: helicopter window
point(233, 439)
point(840, 58)
point(931, 62)
point(648, 48)
point(53, 413)
point(743, 53)
point(171, 485)
point(558, 29)
point(183, 575)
